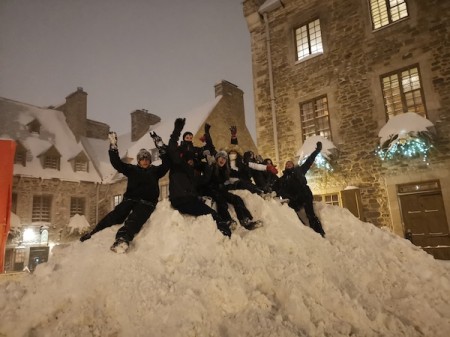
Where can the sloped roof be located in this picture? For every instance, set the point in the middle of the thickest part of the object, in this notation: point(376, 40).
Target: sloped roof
point(54, 131)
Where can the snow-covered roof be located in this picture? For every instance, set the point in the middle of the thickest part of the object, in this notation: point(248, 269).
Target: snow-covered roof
point(54, 132)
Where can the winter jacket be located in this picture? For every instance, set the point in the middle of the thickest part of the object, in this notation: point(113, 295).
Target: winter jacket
point(142, 182)
point(184, 180)
point(292, 184)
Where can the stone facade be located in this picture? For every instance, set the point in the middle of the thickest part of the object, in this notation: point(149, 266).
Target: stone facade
point(348, 72)
point(141, 120)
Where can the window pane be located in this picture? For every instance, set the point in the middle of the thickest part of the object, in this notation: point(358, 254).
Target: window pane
point(77, 206)
point(81, 166)
point(402, 92)
point(308, 39)
point(51, 162)
point(314, 118)
point(41, 208)
point(117, 199)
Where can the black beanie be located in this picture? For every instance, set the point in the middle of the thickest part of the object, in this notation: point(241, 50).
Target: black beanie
point(187, 133)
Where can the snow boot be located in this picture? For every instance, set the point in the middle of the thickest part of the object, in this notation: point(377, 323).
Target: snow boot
point(85, 237)
point(120, 246)
point(250, 224)
point(224, 228)
point(316, 225)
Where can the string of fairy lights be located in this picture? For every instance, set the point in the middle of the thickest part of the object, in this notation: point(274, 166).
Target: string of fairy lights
point(411, 145)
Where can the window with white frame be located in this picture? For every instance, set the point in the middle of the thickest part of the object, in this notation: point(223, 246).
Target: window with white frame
point(402, 92)
point(315, 118)
point(329, 199)
point(117, 199)
point(41, 208)
point(308, 39)
point(385, 12)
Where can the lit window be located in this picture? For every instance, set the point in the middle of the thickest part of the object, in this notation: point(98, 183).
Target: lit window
point(385, 12)
point(117, 199)
point(315, 118)
point(41, 208)
point(402, 92)
point(329, 199)
point(77, 206)
point(308, 39)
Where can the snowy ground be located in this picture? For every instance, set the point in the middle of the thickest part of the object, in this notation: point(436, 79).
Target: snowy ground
point(181, 277)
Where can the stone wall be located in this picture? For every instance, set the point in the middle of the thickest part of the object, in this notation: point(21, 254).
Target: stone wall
point(348, 73)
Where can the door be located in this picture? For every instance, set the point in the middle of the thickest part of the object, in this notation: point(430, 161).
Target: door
point(424, 220)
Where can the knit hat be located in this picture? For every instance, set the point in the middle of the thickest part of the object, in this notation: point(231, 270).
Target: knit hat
point(143, 154)
point(222, 154)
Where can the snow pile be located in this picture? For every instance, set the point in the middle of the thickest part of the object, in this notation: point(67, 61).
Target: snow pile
point(181, 277)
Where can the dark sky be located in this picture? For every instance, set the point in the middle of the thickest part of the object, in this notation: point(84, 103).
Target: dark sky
point(164, 56)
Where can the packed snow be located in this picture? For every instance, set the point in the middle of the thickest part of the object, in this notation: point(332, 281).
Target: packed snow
point(181, 277)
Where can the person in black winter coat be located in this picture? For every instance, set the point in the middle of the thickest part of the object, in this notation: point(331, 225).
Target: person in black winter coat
point(292, 185)
point(185, 181)
point(217, 190)
point(140, 198)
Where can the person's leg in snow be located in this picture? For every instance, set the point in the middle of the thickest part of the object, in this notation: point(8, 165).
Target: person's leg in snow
point(139, 215)
point(314, 221)
point(116, 216)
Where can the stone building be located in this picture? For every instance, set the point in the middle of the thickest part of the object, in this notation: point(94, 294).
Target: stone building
point(63, 183)
point(342, 69)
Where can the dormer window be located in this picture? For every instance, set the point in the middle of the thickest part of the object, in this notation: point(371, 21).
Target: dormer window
point(52, 162)
point(80, 163)
point(51, 159)
point(20, 156)
point(34, 126)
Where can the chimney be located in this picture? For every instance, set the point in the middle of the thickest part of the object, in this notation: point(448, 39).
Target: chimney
point(75, 110)
point(141, 120)
point(232, 98)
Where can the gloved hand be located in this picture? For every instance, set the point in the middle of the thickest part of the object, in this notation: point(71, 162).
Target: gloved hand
point(157, 140)
point(271, 169)
point(319, 146)
point(207, 127)
point(112, 140)
point(179, 124)
point(233, 130)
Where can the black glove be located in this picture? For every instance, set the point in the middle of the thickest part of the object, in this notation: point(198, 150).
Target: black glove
point(319, 146)
point(207, 127)
point(179, 124)
point(233, 130)
point(112, 140)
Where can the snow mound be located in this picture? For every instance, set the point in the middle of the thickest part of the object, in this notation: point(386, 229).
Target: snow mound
point(181, 277)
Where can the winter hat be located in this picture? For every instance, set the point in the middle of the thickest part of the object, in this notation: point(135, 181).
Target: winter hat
point(143, 154)
point(187, 133)
point(222, 154)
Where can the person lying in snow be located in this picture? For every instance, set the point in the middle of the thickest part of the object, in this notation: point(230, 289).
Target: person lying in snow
point(292, 185)
point(140, 198)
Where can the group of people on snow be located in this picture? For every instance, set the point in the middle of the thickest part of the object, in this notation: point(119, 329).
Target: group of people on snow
point(196, 173)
